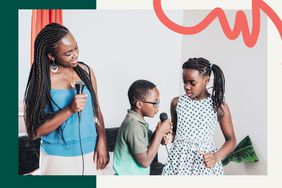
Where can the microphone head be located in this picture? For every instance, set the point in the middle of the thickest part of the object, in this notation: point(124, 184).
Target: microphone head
point(163, 116)
point(79, 82)
point(79, 85)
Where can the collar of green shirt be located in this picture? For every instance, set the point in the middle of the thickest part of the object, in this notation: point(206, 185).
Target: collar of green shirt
point(136, 116)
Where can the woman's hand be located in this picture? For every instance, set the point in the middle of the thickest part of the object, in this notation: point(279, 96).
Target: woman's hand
point(101, 154)
point(210, 159)
point(78, 103)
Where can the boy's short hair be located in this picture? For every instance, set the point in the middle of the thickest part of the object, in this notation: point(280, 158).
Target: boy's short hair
point(139, 90)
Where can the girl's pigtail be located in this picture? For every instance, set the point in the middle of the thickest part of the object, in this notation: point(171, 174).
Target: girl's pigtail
point(218, 87)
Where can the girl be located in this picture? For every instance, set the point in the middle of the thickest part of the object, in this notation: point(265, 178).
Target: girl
point(194, 116)
point(68, 146)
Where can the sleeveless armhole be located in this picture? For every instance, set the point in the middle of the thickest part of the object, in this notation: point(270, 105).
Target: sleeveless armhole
point(175, 114)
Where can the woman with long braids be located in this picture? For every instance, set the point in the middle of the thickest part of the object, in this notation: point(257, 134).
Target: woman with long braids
point(69, 145)
point(194, 116)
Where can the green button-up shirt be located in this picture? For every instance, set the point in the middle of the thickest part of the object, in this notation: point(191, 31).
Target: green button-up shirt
point(132, 139)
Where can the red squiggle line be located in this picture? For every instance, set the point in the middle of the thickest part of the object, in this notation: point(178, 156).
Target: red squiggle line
point(241, 23)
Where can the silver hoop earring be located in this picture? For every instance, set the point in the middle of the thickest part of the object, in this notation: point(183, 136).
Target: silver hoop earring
point(54, 66)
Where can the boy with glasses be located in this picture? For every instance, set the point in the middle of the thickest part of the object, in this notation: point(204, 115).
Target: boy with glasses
point(133, 153)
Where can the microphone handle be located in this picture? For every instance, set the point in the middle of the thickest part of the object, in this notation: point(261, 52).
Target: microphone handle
point(166, 149)
point(79, 90)
point(163, 118)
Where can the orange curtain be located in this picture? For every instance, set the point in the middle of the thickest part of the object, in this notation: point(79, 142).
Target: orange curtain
point(39, 19)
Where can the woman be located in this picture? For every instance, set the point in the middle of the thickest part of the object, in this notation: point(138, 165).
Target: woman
point(69, 145)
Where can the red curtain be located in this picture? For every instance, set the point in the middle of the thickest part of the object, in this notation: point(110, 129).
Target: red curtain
point(39, 19)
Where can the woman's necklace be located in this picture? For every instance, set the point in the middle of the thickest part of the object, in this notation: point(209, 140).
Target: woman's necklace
point(71, 83)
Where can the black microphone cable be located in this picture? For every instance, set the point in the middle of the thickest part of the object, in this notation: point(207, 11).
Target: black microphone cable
point(79, 85)
point(166, 149)
point(80, 142)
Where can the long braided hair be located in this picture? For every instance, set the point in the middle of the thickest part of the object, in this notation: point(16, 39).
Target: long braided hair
point(206, 68)
point(37, 95)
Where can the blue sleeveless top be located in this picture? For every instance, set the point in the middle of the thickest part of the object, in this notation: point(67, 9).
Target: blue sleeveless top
point(53, 143)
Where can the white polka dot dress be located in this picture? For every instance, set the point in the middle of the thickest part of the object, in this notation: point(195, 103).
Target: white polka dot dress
point(196, 121)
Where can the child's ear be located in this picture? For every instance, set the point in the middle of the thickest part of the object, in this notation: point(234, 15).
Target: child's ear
point(207, 80)
point(138, 104)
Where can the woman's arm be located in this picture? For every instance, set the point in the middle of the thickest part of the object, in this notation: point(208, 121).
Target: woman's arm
point(101, 154)
point(225, 121)
point(60, 117)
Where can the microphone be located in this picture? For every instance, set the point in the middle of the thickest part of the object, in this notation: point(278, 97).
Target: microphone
point(163, 116)
point(79, 86)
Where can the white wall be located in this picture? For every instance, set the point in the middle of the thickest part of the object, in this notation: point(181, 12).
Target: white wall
point(24, 51)
point(124, 45)
point(245, 74)
point(24, 61)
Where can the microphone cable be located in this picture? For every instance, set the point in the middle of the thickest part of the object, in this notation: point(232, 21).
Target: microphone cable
point(166, 149)
point(79, 134)
point(79, 85)
point(163, 117)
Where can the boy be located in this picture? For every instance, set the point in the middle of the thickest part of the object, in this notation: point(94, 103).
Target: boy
point(133, 154)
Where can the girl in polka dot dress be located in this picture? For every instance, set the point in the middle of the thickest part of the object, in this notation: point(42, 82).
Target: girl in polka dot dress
point(195, 116)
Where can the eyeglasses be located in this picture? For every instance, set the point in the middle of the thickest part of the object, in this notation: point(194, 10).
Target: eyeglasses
point(155, 104)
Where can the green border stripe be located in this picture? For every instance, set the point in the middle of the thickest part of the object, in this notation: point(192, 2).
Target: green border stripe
point(9, 96)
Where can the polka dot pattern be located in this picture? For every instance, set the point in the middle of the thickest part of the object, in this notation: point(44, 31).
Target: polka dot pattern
point(196, 121)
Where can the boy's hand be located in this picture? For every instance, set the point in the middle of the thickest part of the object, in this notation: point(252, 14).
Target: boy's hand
point(164, 127)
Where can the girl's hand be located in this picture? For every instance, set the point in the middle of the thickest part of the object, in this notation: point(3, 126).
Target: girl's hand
point(210, 159)
point(78, 102)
